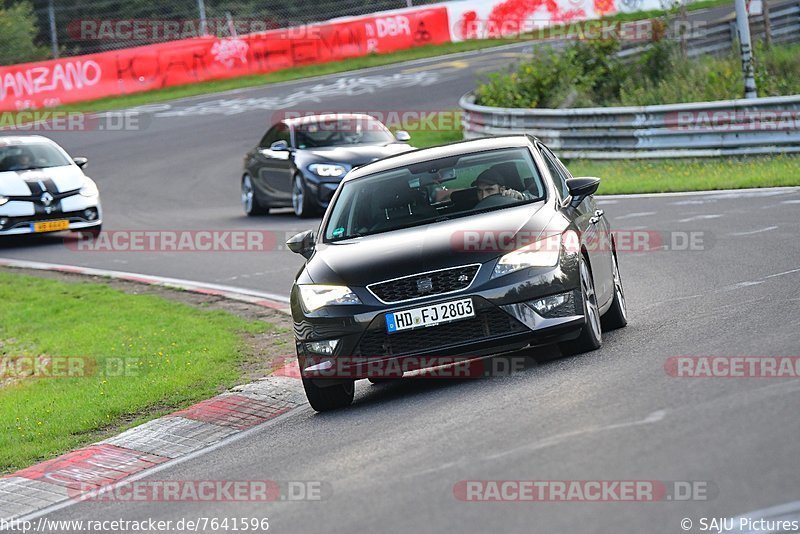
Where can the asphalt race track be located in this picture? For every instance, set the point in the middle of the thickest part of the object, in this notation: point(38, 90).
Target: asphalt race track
point(391, 461)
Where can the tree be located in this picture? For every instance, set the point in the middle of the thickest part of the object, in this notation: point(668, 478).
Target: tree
point(17, 33)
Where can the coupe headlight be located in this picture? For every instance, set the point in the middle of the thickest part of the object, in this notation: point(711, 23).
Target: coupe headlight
point(89, 188)
point(317, 296)
point(3, 200)
point(543, 253)
point(328, 170)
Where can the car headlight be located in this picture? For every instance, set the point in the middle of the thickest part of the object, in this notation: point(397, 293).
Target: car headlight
point(89, 188)
point(542, 253)
point(316, 296)
point(327, 169)
point(3, 200)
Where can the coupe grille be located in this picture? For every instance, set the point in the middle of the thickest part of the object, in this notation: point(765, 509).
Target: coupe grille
point(487, 324)
point(425, 284)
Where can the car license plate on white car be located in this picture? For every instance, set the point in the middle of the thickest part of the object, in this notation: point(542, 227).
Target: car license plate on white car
point(444, 312)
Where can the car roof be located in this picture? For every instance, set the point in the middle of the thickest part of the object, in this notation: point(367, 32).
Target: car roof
point(327, 116)
point(442, 151)
point(13, 140)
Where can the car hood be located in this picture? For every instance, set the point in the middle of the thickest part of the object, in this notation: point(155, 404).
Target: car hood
point(355, 155)
point(54, 180)
point(363, 261)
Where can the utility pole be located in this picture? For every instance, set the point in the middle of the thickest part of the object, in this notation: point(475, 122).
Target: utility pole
point(746, 48)
point(51, 13)
point(201, 8)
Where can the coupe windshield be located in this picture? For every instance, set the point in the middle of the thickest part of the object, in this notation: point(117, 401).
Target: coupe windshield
point(30, 156)
point(434, 190)
point(337, 131)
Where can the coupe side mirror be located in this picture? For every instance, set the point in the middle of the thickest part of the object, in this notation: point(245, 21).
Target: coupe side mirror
point(582, 187)
point(80, 161)
point(402, 136)
point(279, 146)
point(302, 243)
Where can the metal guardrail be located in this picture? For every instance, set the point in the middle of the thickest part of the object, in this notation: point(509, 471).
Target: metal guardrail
point(697, 129)
point(720, 36)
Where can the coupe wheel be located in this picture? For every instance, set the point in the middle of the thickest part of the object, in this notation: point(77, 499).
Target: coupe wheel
point(590, 337)
point(617, 314)
point(301, 200)
point(326, 398)
point(250, 202)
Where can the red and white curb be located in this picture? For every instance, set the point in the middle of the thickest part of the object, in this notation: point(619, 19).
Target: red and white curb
point(136, 452)
point(259, 298)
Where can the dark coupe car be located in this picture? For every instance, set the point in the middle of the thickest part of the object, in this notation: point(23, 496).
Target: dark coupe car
point(300, 161)
point(467, 249)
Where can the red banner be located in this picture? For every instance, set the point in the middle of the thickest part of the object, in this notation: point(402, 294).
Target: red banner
point(131, 70)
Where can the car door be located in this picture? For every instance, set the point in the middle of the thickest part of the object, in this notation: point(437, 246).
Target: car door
point(272, 169)
point(593, 226)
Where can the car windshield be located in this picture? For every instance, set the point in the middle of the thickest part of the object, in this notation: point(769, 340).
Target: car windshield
point(337, 131)
point(434, 190)
point(30, 156)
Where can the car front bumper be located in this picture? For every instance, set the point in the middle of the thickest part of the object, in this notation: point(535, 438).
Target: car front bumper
point(505, 320)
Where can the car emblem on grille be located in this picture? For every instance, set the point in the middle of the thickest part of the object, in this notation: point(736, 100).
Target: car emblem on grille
point(463, 278)
point(46, 199)
point(424, 285)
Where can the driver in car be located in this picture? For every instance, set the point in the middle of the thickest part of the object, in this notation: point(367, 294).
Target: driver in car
point(490, 183)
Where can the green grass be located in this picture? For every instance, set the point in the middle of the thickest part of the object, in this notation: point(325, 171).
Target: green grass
point(660, 176)
point(178, 355)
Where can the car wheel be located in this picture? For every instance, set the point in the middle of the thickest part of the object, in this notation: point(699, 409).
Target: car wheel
point(590, 337)
point(617, 314)
point(327, 398)
point(250, 203)
point(301, 200)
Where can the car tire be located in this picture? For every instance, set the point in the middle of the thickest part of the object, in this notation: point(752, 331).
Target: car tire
point(324, 399)
point(250, 202)
point(591, 336)
point(617, 315)
point(301, 200)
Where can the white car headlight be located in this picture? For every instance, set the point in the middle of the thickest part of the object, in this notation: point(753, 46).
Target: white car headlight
point(3, 200)
point(316, 296)
point(89, 188)
point(327, 169)
point(542, 253)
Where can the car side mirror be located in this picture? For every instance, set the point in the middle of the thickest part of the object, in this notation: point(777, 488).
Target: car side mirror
point(279, 146)
point(402, 136)
point(302, 243)
point(80, 161)
point(582, 187)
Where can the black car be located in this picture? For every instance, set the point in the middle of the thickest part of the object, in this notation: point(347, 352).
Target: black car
point(300, 161)
point(466, 249)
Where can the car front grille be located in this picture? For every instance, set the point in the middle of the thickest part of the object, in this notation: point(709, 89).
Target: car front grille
point(488, 323)
point(425, 284)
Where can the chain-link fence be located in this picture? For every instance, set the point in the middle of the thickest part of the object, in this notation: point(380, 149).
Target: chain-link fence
point(73, 27)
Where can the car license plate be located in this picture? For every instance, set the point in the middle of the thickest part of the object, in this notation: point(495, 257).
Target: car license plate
point(50, 226)
point(444, 312)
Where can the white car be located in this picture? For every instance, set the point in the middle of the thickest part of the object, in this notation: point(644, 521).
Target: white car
point(43, 189)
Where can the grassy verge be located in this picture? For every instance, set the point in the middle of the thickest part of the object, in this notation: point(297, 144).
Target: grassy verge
point(660, 176)
point(131, 358)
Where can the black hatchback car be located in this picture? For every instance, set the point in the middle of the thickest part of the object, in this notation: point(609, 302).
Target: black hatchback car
point(462, 250)
point(300, 161)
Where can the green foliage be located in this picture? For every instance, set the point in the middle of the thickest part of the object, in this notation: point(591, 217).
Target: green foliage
point(589, 73)
point(17, 32)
